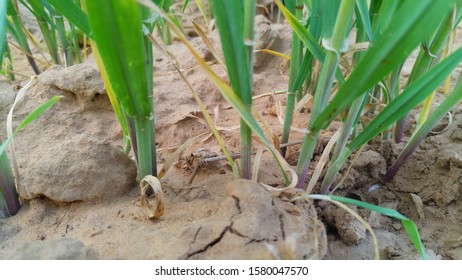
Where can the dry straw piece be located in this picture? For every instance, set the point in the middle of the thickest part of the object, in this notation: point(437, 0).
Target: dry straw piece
point(154, 204)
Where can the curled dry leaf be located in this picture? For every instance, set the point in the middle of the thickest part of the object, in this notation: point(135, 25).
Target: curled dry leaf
point(358, 47)
point(322, 161)
point(9, 125)
point(209, 45)
point(280, 112)
point(256, 165)
point(419, 205)
point(446, 127)
point(154, 204)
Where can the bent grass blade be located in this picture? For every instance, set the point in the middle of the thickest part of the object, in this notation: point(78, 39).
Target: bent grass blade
point(409, 225)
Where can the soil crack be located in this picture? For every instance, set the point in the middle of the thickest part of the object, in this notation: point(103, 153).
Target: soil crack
point(209, 245)
point(281, 226)
point(196, 234)
point(238, 205)
point(228, 228)
point(57, 88)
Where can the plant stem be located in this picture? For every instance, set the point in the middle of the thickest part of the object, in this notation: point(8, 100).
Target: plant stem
point(9, 74)
point(249, 33)
point(22, 41)
point(341, 154)
point(75, 43)
point(75, 37)
point(50, 40)
point(246, 152)
point(63, 38)
point(334, 168)
point(296, 58)
point(143, 142)
point(420, 134)
point(246, 131)
point(325, 83)
point(8, 195)
point(152, 131)
point(319, 103)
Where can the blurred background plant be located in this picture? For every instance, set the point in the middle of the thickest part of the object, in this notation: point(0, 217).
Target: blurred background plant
point(61, 39)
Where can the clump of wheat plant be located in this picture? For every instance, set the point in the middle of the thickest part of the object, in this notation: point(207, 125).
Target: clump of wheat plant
point(364, 93)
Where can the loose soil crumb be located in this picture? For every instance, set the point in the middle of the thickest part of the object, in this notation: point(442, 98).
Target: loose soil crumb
point(73, 152)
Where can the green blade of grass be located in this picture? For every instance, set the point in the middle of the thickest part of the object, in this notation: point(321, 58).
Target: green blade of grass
point(20, 35)
point(330, 10)
point(387, 52)
point(315, 18)
point(117, 32)
point(74, 35)
point(424, 61)
point(382, 12)
point(307, 74)
point(294, 70)
point(408, 99)
point(249, 43)
point(146, 19)
point(249, 35)
point(354, 113)
point(458, 15)
point(47, 26)
point(396, 109)
point(409, 225)
point(65, 46)
point(35, 114)
point(3, 6)
point(230, 19)
point(201, 7)
point(73, 14)
point(235, 24)
point(9, 202)
point(308, 40)
point(363, 15)
point(110, 91)
point(38, 8)
point(185, 4)
point(11, 30)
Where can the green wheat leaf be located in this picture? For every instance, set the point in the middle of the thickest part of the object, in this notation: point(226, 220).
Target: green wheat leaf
point(411, 24)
